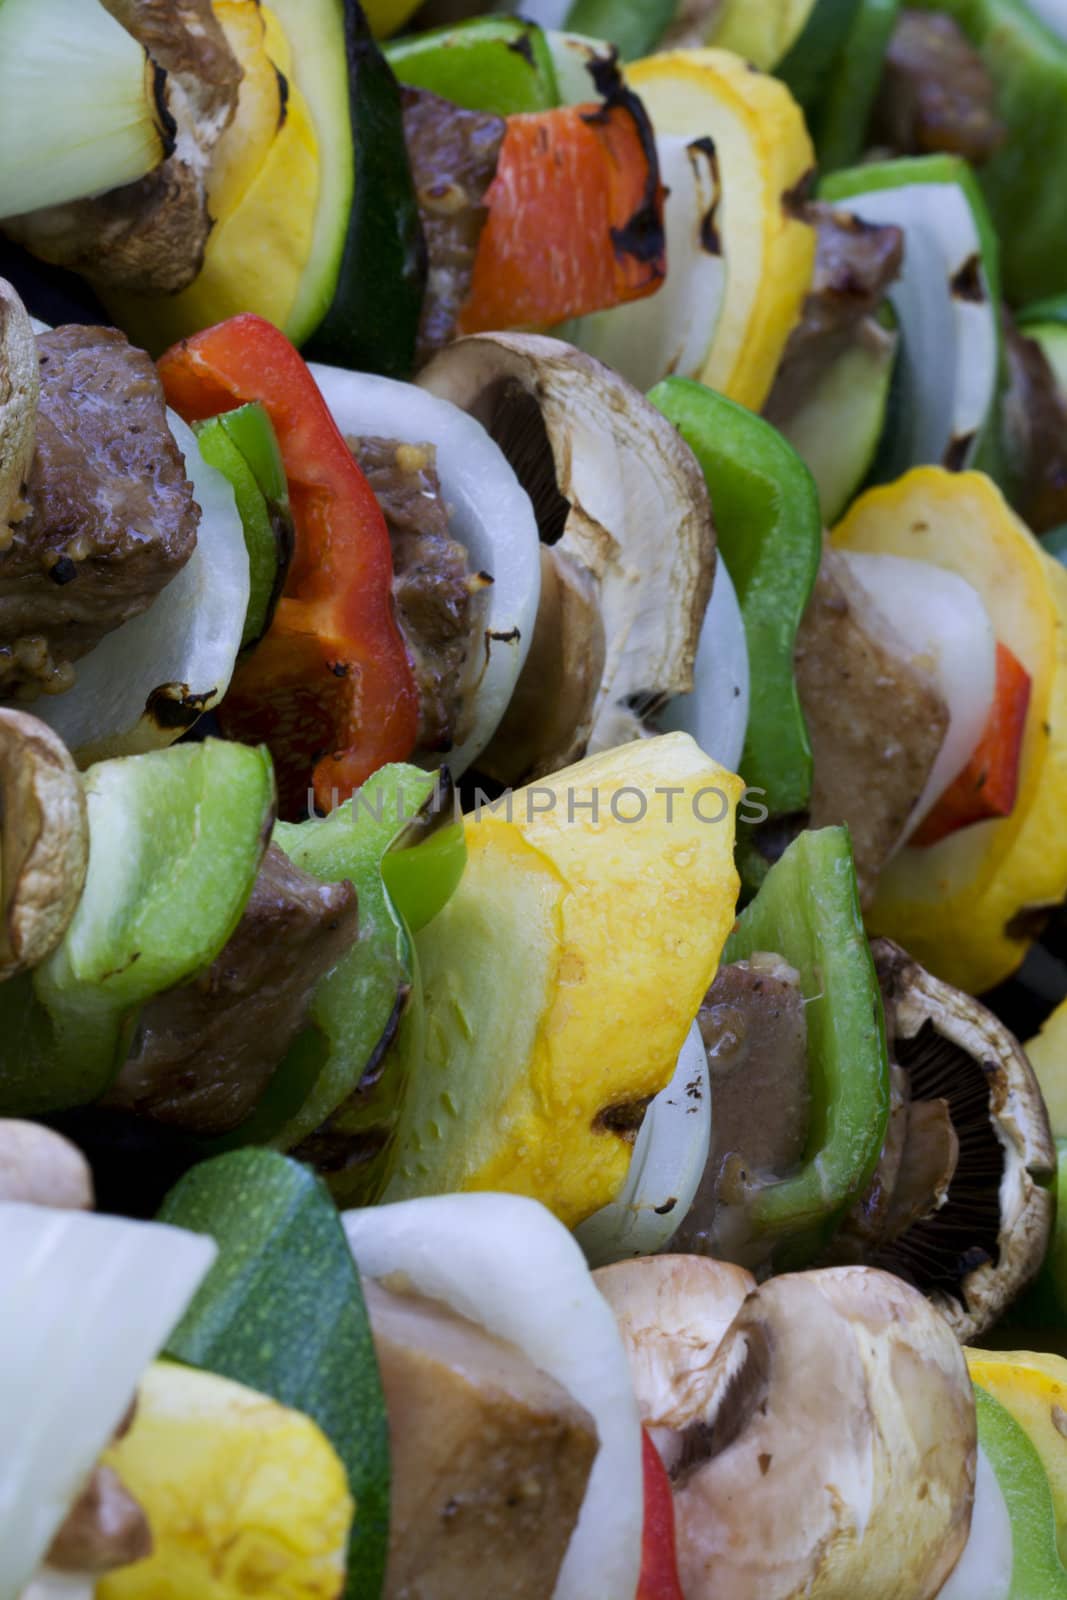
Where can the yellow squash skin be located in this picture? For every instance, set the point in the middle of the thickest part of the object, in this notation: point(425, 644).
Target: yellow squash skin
point(1033, 1387)
point(764, 155)
point(245, 1498)
point(263, 198)
point(951, 904)
point(563, 975)
point(1048, 1057)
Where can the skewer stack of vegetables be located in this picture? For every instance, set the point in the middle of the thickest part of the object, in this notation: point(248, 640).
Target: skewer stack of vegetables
point(532, 749)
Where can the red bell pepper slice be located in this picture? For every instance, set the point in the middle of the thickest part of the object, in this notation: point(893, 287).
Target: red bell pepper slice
point(330, 688)
point(989, 783)
point(659, 1559)
point(575, 218)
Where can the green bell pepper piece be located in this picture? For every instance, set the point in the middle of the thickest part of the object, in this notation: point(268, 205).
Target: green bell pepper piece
point(243, 446)
point(843, 112)
point(808, 911)
point(634, 30)
point(807, 64)
point(769, 530)
point(1037, 1571)
point(334, 1083)
point(1022, 182)
point(496, 64)
point(282, 1311)
point(176, 839)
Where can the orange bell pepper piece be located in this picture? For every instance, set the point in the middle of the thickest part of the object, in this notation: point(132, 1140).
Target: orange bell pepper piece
point(989, 782)
point(575, 218)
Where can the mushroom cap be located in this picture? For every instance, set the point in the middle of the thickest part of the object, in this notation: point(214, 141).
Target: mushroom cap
point(990, 1235)
point(44, 841)
point(616, 490)
point(39, 1167)
point(835, 1454)
point(19, 388)
point(672, 1312)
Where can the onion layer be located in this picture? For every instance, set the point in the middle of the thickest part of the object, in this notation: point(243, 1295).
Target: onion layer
point(716, 712)
point(505, 1263)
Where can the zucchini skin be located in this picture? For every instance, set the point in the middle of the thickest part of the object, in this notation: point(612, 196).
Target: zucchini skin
point(373, 320)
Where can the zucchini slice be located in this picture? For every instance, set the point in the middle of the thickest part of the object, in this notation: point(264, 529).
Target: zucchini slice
point(361, 293)
point(946, 301)
point(282, 1311)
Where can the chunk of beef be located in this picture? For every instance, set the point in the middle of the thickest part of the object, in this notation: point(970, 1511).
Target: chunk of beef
point(755, 1035)
point(453, 156)
point(110, 515)
point(439, 601)
point(875, 719)
point(490, 1457)
point(936, 92)
point(105, 1528)
point(206, 1051)
point(855, 263)
point(148, 237)
point(1034, 425)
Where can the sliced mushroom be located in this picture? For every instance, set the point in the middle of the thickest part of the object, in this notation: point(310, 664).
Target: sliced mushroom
point(672, 1312)
point(550, 715)
point(969, 1216)
point(620, 498)
point(19, 387)
point(44, 841)
point(830, 1447)
point(39, 1167)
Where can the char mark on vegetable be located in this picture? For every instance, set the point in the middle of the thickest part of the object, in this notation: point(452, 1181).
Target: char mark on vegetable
point(967, 283)
point(957, 452)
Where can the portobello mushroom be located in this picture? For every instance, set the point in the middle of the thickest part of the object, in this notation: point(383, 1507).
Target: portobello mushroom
point(962, 1208)
point(623, 510)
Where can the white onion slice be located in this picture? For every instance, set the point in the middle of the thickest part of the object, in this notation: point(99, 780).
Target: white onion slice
point(668, 1161)
point(949, 347)
point(87, 1302)
point(187, 641)
point(506, 1263)
point(716, 712)
point(52, 1585)
point(669, 332)
point(941, 618)
point(490, 514)
point(546, 13)
point(1053, 14)
point(984, 1570)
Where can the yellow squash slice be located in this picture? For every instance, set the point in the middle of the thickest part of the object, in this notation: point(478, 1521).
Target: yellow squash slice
point(1048, 1057)
point(764, 156)
point(263, 197)
point(245, 1498)
point(563, 975)
point(1033, 1387)
point(955, 905)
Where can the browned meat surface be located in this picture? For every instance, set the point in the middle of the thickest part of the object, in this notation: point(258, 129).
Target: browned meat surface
point(876, 722)
point(105, 1528)
point(148, 237)
point(1035, 432)
point(936, 92)
point(453, 156)
point(437, 596)
point(756, 1039)
point(866, 1223)
point(205, 1051)
point(928, 1164)
point(111, 516)
point(855, 263)
point(490, 1457)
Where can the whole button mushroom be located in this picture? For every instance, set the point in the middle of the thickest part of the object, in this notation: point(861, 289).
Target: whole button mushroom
point(44, 841)
point(828, 1447)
